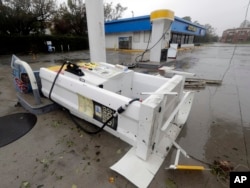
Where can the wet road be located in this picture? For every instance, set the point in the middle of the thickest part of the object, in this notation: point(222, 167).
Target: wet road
point(219, 121)
point(55, 154)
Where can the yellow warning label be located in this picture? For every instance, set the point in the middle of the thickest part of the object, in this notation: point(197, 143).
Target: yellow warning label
point(56, 68)
point(87, 65)
point(86, 106)
point(81, 64)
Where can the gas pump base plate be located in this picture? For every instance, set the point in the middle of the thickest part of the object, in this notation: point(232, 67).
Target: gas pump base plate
point(145, 169)
point(27, 102)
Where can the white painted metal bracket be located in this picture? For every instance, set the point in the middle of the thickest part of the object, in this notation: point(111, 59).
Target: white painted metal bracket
point(176, 165)
point(136, 170)
point(141, 171)
point(167, 70)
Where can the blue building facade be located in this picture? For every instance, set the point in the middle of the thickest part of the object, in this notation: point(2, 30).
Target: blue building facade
point(137, 30)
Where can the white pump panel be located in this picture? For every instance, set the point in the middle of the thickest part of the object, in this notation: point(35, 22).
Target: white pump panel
point(161, 22)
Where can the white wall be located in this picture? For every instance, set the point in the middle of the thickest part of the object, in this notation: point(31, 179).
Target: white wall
point(187, 45)
point(139, 39)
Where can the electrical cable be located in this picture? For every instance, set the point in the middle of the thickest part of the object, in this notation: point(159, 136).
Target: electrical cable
point(141, 55)
point(87, 131)
point(199, 160)
point(146, 50)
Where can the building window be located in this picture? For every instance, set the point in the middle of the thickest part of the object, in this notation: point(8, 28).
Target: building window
point(186, 39)
point(183, 39)
point(191, 40)
point(174, 38)
point(241, 32)
point(178, 40)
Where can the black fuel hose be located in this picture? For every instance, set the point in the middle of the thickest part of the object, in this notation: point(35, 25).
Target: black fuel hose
point(54, 81)
point(119, 110)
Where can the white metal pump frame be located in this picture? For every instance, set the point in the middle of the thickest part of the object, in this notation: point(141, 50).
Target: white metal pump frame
point(149, 126)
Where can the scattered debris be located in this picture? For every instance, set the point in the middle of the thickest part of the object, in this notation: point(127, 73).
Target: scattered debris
point(111, 179)
point(56, 123)
point(70, 143)
point(195, 84)
point(98, 153)
point(119, 151)
point(59, 177)
point(207, 81)
point(170, 183)
point(190, 81)
point(200, 83)
point(224, 165)
point(25, 184)
point(45, 162)
point(222, 168)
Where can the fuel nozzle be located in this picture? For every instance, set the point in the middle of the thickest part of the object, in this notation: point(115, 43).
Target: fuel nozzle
point(74, 69)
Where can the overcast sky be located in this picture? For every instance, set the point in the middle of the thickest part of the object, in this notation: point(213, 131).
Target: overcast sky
point(221, 14)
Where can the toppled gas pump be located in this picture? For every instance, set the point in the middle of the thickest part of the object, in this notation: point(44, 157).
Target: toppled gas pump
point(149, 125)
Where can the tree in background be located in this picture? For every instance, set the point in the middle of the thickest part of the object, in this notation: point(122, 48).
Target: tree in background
point(23, 17)
point(71, 19)
point(210, 35)
point(4, 19)
point(188, 18)
point(31, 18)
point(44, 11)
point(113, 13)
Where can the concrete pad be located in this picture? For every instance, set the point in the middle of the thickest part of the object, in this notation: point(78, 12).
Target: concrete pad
point(56, 154)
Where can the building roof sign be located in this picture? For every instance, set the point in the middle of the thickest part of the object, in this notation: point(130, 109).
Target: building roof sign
point(142, 23)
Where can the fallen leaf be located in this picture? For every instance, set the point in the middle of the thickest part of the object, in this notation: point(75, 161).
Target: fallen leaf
point(111, 179)
point(170, 183)
point(25, 184)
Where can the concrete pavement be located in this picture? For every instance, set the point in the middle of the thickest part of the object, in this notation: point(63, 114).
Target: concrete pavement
point(55, 154)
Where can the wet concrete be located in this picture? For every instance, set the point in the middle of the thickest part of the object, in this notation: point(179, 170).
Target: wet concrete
point(219, 121)
point(56, 154)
